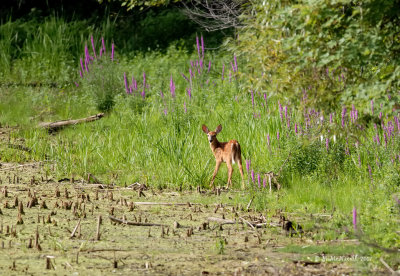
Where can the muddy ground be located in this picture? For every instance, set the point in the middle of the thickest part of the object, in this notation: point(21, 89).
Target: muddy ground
point(40, 213)
point(50, 225)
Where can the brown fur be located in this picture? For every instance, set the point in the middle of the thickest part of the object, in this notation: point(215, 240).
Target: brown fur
point(224, 152)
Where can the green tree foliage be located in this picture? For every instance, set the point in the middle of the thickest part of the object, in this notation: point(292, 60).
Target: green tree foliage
point(332, 52)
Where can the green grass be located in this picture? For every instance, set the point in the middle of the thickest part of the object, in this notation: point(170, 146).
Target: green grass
point(138, 142)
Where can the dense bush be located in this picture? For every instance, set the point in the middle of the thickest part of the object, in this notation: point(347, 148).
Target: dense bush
point(337, 53)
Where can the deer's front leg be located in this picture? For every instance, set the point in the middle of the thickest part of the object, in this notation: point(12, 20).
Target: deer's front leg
point(230, 171)
point(217, 165)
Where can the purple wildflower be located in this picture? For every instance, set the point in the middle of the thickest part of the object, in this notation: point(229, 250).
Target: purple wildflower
point(252, 97)
point(93, 48)
point(252, 176)
point(198, 46)
point(265, 99)
point(372, 107)
point(81, 74)
point(327, 144)
point(235, 61)
point(172, 87)
point(183, 75)
point(134, 83)
point(259, 180)
point(76, 84)
point(82, 64)
point(126, 84)
point(112, 52)
point(277, 135)
point(161, 94)
point(189, 91)
point(370, 171)
point(295, 128)
point(344, 110)
point(104, 45)
point(248, 164)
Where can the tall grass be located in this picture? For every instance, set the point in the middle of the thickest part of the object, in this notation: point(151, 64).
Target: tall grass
point(325, 162)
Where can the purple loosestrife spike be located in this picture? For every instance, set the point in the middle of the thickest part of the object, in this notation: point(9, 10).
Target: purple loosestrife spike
point(93, 48)
point(397, 200)
point(372, 107)
point(82, 64)
point(198, 46)
point(165, 111)
point(86, 66)
point(295, 128)
point(233, 67)
point(130, 90)
point(355, 218)
point(183, 76)
point(126, 84)
point(172, 87)
point(380, 115)
point(161, 94)
point(331, 118)
point(135, 85)
point(202, 46)
point(76, 84)
point(112, 52)
point(86, 53)
point(223, 70)
point(252, 97)
point(248, 164)
point(344, 110)
point(280, 111)
point(259, 180)
point(80, 73)
point(370, 171)
point(235, 61)
point(327, 144)
point(103, 49)
point(252, 176)
point(189, 91)
point(286, 114)
point(385, 138)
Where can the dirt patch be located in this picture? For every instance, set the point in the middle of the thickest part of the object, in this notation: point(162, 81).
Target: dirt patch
point(39, 234)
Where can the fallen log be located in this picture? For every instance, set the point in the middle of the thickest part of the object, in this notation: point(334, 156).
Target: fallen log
point(121, 221)
point(54, 126)
point(252, 224)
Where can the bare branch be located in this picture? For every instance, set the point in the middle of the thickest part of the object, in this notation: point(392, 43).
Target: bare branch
point(216, 14)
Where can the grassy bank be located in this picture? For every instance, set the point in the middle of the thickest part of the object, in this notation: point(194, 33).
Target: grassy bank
point(155, 104)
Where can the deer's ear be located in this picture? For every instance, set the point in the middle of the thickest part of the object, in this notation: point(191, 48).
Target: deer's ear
point(219, 128)
point(205, 129)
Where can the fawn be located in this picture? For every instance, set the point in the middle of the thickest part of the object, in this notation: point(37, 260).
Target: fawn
point(228, 152)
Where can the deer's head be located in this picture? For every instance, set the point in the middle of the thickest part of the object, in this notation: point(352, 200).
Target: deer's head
point(211, 135)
